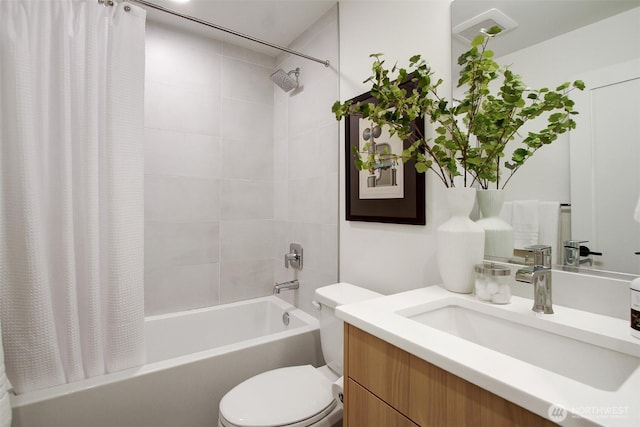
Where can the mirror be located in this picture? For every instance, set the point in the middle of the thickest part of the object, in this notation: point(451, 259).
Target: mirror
point(592, 172)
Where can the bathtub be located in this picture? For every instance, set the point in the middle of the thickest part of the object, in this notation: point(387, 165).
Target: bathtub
point(193, 359)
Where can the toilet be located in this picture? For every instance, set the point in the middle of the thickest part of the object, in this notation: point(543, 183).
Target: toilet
point(298, 396)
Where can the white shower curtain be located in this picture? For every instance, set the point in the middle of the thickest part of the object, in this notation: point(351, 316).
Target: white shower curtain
point(71, 189)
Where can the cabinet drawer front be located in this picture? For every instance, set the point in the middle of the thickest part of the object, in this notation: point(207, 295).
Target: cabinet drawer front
point(379, 367)
point(439, 398)
point(365, 409)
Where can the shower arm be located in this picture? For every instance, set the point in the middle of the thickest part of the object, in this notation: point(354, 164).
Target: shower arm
point(227, 30)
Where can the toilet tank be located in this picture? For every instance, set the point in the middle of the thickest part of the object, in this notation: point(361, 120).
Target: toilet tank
point(331, 327)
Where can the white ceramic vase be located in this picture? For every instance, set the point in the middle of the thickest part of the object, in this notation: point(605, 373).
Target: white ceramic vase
point(460, 242)
point(498, 234)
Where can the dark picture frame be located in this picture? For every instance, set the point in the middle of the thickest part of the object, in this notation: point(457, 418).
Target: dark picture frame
point(410, 209)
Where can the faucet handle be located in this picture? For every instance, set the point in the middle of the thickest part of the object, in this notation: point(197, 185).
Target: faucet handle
point(541, 255)
point(294, 257)
point(585, 251)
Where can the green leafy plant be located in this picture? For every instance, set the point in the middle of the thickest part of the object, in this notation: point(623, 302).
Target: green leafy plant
point(472, 133)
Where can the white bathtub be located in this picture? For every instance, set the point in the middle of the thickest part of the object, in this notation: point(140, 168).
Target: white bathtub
point(194, 358)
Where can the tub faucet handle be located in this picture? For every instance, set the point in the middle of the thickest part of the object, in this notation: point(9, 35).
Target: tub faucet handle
point(294, 257)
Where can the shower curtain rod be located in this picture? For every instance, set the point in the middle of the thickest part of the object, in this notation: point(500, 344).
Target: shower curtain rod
point(227, 30)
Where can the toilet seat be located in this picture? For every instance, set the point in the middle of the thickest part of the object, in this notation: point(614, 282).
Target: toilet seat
point(295, 396)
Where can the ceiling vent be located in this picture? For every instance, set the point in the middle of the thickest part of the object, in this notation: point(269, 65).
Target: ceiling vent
point(469, 29)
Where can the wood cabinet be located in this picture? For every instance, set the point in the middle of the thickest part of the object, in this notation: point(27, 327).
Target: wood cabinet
point(370, 410)
point(388, 387)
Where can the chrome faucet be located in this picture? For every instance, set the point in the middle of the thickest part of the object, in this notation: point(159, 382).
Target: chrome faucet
point(576, 254)
point(291, 284)
point(539, 275)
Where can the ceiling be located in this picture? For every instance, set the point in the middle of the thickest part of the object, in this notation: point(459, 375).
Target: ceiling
point(282, 21)
point(277, 21)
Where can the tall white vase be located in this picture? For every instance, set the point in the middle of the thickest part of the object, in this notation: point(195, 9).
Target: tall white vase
point(498, 234)
point(460, 242)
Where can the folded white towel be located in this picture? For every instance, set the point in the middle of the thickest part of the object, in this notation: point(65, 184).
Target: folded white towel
point(549, 222)
point(636, 214)
point(525, 222)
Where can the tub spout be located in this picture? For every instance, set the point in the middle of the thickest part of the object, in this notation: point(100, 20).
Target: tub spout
point(291, 284)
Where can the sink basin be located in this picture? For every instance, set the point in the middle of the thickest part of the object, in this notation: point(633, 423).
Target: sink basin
point(530, 339)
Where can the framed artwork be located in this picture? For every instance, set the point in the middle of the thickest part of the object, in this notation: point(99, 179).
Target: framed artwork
point(392, 192)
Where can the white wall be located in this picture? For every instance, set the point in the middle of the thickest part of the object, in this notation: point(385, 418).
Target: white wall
point(306, 163)
point(386, 257)
point(209, 227)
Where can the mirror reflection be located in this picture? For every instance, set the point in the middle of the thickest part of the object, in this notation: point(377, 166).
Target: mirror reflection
point(584, 187)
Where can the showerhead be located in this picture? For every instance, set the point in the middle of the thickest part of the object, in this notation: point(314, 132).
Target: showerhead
point(284, 79)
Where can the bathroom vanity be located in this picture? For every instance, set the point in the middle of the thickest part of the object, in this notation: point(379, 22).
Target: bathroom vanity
point(387, 386)
point(429, 357)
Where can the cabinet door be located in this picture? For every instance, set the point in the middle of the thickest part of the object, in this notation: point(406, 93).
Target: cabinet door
point(366, 410)
point(379, 367)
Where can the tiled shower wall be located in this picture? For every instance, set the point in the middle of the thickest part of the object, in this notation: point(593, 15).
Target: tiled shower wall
point(235, 169)
point(306, 162)
point(208, 172)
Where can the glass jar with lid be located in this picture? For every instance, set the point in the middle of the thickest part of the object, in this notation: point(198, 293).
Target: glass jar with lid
point(493, 283)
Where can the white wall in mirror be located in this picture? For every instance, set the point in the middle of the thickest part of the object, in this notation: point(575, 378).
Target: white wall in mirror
point(565, 57)
point(584, 53)
point(606, 139)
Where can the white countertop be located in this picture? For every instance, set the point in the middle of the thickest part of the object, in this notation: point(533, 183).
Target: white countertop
point(529, 386)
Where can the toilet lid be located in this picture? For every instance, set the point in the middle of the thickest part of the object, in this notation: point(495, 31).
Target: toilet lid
point(280, 397)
